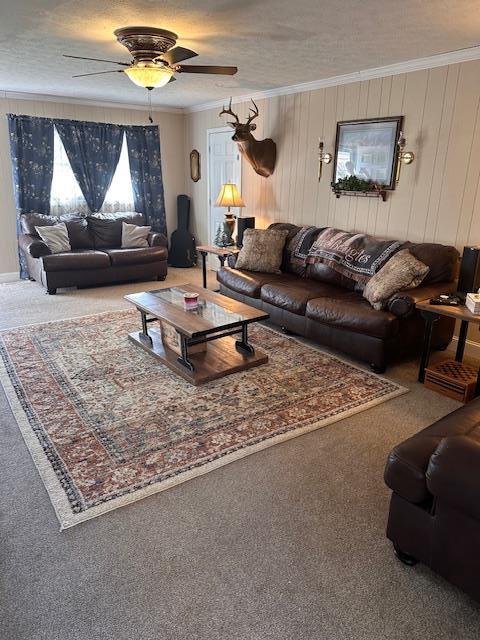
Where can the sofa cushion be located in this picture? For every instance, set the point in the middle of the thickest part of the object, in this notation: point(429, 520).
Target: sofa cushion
point(76, 260)
point(324, 273)
point(106, 228)
point(146, 255)
point(349, 310)
point(294, 294)
point(407, 464)
point(442, 260)
point(248, 283)
point(77, 227)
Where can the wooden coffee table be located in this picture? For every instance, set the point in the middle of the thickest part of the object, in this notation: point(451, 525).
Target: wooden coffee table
point(206, 347)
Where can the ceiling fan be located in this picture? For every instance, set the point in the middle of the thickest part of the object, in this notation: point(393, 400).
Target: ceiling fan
point(155, 58)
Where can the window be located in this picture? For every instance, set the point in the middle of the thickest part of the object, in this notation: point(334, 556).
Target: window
point(66, 194)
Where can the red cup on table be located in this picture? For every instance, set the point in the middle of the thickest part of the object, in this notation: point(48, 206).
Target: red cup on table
point(190, 301)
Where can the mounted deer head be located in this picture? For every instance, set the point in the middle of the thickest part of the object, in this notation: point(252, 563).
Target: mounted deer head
point(261, 154)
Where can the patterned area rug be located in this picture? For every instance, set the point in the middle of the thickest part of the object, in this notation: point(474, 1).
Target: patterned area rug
point(107, 424)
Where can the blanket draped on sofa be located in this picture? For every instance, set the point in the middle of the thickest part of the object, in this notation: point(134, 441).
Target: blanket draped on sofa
point(357, 256)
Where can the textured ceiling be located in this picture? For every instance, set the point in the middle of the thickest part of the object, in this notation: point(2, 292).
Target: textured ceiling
point(273, 43)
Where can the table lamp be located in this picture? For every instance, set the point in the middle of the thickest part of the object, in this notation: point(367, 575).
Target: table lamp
point(229, 197)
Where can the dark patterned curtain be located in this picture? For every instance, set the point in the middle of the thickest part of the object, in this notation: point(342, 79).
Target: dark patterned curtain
point(93, 149)
point(31, 150)
point(146, 172)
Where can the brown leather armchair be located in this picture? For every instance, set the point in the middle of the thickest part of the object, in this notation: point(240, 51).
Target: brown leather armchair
point(435, 506)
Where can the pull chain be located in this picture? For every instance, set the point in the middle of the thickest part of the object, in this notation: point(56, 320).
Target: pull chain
point(149, 89)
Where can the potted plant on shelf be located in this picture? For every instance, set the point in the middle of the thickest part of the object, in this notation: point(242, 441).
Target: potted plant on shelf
point(353, 186)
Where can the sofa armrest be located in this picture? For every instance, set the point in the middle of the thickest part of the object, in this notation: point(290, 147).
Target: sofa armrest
point(33, 246)
point(402, 303)
point(157, 240)
point(232, 260)
point(453, 474)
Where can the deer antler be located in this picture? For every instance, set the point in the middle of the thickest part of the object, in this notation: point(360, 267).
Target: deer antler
point(254, 113)
point(230, 112)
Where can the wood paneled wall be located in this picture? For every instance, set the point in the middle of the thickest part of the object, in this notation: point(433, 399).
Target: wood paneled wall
point(437, 198)
point(172, 144)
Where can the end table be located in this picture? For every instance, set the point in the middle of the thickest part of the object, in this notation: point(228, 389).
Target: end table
point(431, 313)
point(221, 252)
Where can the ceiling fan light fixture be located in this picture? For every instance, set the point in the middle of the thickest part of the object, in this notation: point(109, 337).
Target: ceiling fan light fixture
point(149, 75)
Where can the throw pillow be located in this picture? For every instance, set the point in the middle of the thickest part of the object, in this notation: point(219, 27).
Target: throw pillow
point(134, 236)
point(106, 228)
point(402, 271)
point(78, 233)
point(262, 250)
point(55, 237)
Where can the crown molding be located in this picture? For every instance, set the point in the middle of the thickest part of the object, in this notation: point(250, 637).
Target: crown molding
point(46, 97)
point(418, 64)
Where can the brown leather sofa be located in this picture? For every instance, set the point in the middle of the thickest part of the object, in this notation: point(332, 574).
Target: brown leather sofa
point(435, 506)
point(96, 256)
point(321, 304)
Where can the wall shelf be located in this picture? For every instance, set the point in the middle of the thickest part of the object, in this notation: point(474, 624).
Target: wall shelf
point(363, 194)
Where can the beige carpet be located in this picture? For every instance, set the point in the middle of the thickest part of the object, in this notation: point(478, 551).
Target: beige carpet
point(288, 544)
point(26, 302)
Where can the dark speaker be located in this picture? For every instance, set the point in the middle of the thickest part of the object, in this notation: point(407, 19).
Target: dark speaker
point(469, 279)
point(242, 224)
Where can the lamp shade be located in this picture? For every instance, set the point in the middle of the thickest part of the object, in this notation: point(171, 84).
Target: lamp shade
point(229, 196)
point(149, 75)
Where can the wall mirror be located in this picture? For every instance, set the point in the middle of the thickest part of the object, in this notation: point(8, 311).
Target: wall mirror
point(368, 150)
point(195, 165)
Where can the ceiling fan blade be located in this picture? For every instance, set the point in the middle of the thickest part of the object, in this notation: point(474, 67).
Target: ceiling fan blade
point(172, 79)
point(97, 73)
point(194, 68)
point(177, 54)
point(123, 64)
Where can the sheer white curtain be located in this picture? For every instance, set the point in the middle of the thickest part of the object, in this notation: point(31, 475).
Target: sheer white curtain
point(66, 195)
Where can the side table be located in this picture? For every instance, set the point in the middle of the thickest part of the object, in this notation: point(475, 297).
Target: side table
point(221, 252)
point(431, 313)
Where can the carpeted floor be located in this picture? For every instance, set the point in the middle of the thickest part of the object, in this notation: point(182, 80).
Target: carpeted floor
point(286, 544)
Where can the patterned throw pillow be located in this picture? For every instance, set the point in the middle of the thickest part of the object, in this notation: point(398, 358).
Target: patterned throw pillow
point(133, 236)
point(402, 271)
point(262, 250)
point(55, 237)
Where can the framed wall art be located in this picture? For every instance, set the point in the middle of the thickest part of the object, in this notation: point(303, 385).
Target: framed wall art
point(368, 151)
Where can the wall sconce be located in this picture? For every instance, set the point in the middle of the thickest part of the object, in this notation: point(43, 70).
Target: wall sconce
point(405, 157)
point(323, 158)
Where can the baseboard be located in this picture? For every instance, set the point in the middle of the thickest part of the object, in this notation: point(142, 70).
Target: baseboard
point(472, 348)
point(9, 277)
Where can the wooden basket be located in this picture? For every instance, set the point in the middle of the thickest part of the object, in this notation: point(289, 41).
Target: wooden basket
point(171, 339)
point(453, 379)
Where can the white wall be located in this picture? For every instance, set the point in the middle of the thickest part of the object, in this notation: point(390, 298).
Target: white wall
point(172, 145)
point(437, 198)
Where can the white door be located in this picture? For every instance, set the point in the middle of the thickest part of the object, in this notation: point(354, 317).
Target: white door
point(223, 166)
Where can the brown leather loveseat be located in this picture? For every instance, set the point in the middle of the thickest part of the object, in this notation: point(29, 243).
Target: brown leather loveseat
point(96, 256)
point(321, 304)
point(435, 506)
